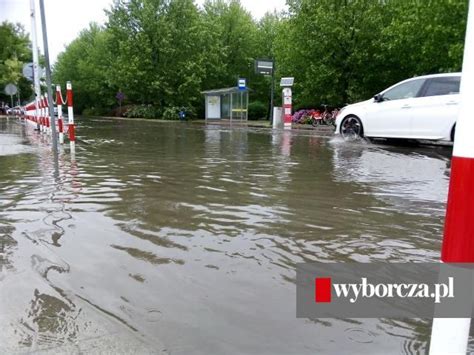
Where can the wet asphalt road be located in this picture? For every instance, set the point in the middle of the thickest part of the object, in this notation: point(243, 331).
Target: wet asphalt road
point(182, 239)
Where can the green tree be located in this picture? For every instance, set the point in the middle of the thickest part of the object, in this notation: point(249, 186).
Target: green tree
point(15, 51)
point(330, 46)
point(86, 63)
point(234, 42)
point(162, 53)
point(347, 50)
point(158, 52)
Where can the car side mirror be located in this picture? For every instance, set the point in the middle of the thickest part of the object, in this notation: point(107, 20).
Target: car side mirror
point(378, 98)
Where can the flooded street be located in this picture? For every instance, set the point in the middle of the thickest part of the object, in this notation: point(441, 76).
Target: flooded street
point(182, 239)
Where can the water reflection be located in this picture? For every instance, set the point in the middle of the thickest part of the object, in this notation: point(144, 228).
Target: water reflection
point(188, 236)
point(7, 245)
point(49, 322)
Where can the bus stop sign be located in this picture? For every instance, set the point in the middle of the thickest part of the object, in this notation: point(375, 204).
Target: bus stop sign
point(242, 84)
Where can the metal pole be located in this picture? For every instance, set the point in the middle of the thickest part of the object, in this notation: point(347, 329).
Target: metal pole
point(272, 90)
point(48, 78)
point(247, 107)
point(36, 76)
point(241, 105)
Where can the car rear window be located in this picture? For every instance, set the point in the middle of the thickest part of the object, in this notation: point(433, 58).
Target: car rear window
point(442, 86)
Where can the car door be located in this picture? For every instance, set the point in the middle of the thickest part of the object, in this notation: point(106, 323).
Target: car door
point(435, 112)
point(391, 117)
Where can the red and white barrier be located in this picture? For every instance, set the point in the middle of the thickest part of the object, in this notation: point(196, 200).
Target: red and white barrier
point(450, 336)
point(70, 115)
point(44, 118)
point(41, 117)
point(47, 114)
point(37, 114)
point(30, 110)
point(37, 111)
point(59, 103)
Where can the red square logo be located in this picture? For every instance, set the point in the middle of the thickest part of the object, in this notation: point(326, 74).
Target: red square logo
point(322, 290)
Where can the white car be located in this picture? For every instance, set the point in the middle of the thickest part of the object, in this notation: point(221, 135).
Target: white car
point(425, 107)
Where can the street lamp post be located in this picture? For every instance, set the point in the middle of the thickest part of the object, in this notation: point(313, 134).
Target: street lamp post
point(48, 77)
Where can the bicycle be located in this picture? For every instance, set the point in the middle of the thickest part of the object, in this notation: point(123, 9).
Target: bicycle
point(316, 118)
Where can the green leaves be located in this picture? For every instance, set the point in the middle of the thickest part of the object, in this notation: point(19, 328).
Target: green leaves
point(346, 51)
point(14, 53)
point(163, 53)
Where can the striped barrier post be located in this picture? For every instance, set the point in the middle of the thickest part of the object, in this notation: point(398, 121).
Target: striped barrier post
point(451, 335)
point(45, 130)
point(41, 118)
point(40, 113)
point(59, 103)
point(37, 114)
point(46, 113)
point(30, 112)
point(70, 114)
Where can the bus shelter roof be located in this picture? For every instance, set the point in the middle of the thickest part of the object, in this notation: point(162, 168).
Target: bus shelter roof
point(223, 91)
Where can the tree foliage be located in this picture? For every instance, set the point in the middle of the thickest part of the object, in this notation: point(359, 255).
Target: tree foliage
point(163, 53)
point(347, 50)
point(15, 51)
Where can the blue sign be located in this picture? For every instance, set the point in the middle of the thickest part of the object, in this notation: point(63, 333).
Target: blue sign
point(242, 84)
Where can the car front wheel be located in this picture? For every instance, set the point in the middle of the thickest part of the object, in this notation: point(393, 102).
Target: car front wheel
point(351, 127)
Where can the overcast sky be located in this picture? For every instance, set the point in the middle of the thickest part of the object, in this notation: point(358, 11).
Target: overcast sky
point(66, 18)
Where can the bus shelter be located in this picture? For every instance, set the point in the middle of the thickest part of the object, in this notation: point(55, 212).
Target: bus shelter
point(230, 103)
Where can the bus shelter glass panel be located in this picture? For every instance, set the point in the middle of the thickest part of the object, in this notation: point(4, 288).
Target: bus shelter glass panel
point(239, 104)
point(225, 106)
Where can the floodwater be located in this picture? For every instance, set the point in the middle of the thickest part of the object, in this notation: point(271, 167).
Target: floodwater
point(182, 239)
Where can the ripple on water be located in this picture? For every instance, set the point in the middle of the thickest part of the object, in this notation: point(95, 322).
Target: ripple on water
point(174, 229)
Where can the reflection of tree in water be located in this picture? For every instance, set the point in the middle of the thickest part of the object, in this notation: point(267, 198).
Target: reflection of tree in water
point(6, 245)
point(49, 321)
point(419, 331)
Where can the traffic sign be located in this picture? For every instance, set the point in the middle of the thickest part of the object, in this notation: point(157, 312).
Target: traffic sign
point(287, 82)
point(11, 89)
point(242, 84)
point(264, 67)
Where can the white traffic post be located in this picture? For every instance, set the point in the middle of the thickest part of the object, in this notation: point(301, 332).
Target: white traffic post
point(70, 115)
point(451, 335)
point(59, 103)
point(287, 107)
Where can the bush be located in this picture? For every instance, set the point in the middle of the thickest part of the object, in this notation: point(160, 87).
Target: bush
point(172, 113)
point(257, 110)
point(143, 111)
point(94, 111)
